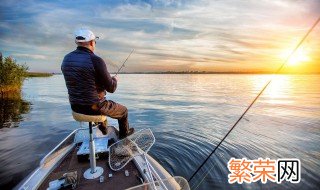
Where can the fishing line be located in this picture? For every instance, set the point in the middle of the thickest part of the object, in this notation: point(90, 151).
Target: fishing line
point(236, 123)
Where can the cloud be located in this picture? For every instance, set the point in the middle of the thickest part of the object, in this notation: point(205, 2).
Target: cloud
point(32, 56)
point(167, 35)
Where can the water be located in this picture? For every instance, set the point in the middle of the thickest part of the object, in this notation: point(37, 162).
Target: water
point(188, 115)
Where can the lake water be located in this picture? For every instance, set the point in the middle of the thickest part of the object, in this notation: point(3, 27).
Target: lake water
point(189, 115)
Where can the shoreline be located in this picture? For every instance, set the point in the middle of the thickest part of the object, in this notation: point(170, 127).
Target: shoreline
point(38, 74)
point(206, 73)
point(8, 90)
point(215, 73)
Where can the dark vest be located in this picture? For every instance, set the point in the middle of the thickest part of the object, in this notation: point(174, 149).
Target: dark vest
point(80, 78)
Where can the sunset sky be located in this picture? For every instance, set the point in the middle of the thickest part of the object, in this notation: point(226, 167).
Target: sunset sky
point(199, 35)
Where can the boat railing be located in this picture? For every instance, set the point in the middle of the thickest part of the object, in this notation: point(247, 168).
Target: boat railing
point(62, 146)
point(172, 183)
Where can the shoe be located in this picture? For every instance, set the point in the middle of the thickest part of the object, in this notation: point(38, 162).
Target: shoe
point(103, 129)
point(129, 132)
point(111, 142)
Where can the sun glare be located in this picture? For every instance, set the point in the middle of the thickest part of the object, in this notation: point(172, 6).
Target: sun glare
point(300, 56)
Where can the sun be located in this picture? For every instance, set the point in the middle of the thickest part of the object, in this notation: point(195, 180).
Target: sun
point(300, 56)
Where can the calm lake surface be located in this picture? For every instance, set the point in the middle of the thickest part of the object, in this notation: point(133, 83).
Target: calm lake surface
point(189, 115)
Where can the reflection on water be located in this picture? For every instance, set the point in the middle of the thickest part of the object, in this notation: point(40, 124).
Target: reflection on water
point(12, 106)
point(279, 90)
point(283, 123)
point(189, 115)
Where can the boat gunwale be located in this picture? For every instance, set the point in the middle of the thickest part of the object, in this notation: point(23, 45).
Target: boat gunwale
point(43, 162)
point(46, 172)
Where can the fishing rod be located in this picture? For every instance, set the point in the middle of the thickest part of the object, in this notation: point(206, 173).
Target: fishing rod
point(236, 123)
point(123, 63)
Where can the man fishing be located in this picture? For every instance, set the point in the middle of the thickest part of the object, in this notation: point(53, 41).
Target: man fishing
point(87, 80)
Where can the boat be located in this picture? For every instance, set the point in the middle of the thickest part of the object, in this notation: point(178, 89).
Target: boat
point(96, 161)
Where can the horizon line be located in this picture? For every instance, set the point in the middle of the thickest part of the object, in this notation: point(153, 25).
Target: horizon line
point(202, 72)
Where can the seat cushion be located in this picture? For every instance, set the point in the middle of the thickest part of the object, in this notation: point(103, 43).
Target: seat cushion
point(88, 118)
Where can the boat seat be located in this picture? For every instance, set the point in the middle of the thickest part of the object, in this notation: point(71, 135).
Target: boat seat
point(93, 172)
point(88, 118)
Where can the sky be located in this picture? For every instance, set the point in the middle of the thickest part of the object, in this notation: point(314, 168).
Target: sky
point(167, 35)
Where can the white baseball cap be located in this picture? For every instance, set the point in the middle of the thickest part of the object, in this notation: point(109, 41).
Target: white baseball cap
point(84, 35)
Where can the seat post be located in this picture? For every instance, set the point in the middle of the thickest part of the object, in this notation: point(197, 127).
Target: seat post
point(92, 150)
point(94, 171)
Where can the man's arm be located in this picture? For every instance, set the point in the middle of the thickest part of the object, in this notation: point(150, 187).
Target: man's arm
point(102, 75)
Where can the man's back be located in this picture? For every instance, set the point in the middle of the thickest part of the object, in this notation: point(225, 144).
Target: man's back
point(86, 75)
point(79, 73)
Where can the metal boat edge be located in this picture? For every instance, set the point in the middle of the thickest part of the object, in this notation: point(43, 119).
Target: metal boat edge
point(51, 160)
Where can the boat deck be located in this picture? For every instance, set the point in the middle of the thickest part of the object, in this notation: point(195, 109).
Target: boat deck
point(117, 181)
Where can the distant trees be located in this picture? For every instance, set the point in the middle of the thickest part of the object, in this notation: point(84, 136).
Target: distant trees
point(11, 75)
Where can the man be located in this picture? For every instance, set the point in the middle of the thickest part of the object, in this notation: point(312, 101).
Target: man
point(87, 77)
